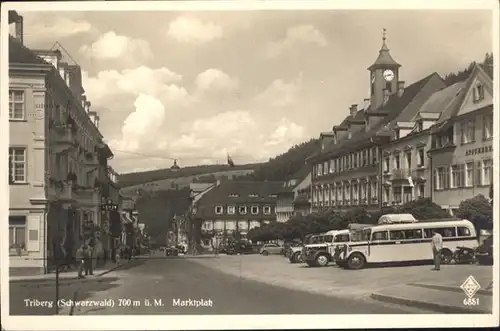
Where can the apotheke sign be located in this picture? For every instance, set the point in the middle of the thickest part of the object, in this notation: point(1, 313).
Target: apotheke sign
point(479, 150)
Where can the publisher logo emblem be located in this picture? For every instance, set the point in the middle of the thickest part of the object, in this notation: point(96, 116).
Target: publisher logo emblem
point(470, 288)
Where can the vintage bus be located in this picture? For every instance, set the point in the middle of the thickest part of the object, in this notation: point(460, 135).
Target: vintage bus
point(320, 254)
point(406, 242)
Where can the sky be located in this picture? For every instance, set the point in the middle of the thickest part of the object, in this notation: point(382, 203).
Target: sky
point(196, 86)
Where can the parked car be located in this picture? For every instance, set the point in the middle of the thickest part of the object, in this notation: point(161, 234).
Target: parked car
point(484, 253)
point(171, 251)
point(271, 249)
point(296, 254)
point(291, 246)
point(241, 247)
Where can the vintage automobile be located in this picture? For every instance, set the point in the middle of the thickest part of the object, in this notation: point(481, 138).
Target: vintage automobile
point(271, 249)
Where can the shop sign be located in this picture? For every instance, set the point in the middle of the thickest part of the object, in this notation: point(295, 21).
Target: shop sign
point(479, 150)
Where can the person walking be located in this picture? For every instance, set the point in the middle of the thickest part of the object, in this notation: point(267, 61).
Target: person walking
point(80, 258)
point(437, 246)
point(88, 260)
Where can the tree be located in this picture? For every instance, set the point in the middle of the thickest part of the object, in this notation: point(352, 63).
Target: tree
point(423, 209)
point(478, 210)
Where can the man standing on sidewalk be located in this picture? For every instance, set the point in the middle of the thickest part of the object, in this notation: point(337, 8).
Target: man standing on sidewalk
point(437, 246)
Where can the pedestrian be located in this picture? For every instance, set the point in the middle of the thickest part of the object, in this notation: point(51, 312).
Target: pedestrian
point(80, 257)
point(88, 257)
point(437, 246)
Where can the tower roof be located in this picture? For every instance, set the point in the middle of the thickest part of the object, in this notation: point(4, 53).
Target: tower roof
point(384, 59)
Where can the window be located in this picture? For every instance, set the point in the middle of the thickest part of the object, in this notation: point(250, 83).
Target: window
point(396, 235)
point(387, 164)
point(325, 168)
point(469, 176)
point(467, 132)
point(373, 190)
point(455, 177)
point(363, 188)
point(387, 194)
point(421, 191)
point(267, 210)
point(420, 126)
point(253, 195)
point(242, 210)
point(444, 232)
point(219, 210)
point(397, 195)
point(374, 155)
point(355, 192)
point(231, 210)
point(233, 195)
point(254, 210)
point(397, 161)
point(347, 192)
point(420, 157)
point(17, 232)
point(463, 231)
point(397, 135)
point(413, 234)
point(342, 238)
point(478, 92)
point(408, 160)
point(17, 164)
point(16, 105)
point(487, 173)
point(332, 167)
point(379, 236)
point(442, 178)
point(365, 157)
point(488, 126)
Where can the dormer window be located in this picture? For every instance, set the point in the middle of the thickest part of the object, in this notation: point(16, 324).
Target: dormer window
point(219, 210)
point(253, 195)
point(233, 195)
point(478, 92)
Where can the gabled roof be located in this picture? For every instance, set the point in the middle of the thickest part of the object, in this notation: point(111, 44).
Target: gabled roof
point(392, 108)
point(454, 107)
point(437, 103)
point(18, 53)
point(242, 192)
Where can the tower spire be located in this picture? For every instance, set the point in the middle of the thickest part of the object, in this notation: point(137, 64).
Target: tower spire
point(384, 57)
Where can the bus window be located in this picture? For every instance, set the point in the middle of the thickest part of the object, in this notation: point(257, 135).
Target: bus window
point(379, 235)
point(342, 238)
point(396, 235)
point(444, 232)
point(463, 231)
point(413, 234)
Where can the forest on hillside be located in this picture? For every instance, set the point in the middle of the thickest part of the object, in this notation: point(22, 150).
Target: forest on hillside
point(454, 77)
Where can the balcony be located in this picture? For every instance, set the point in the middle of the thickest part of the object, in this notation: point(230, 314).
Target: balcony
point(401, 174)
point(419, 173)
point(65, 139)
point(91, 160)
point(61, 191)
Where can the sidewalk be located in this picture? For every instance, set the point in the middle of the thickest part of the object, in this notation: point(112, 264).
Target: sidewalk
point(66, 278)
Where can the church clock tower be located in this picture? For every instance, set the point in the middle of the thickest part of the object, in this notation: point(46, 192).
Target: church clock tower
point(384, 75)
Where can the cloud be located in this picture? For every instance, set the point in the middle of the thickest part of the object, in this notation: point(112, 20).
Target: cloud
point(296, 35)
point(106, 85)
point(110, 46)
point(57, 27)
point(215, 79)
point(279, 93)
point(287, 132)
point(192, 30)
point(142, 125)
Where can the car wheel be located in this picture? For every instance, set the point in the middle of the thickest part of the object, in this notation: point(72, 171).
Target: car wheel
point(295, 258)
point(322, 260)
point(446, 256)
point(356, 261)
point(265, 253)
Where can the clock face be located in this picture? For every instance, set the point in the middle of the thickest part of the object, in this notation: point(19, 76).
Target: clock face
point(388, 75)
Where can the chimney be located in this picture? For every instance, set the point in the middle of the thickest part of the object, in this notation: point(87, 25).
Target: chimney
point(387, 94)
point(401, 88)
point(84, 100)
point(87, 106)
point(18, 26)
point(353, 110)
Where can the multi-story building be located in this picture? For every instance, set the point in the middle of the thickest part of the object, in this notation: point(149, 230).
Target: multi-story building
point(405, 168)
point(461, 157)
point(236, 207)
point(345, 173)
point(54, 151)
point(287, 204)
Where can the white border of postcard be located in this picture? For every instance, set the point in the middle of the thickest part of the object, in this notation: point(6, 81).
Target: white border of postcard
point(221, 322)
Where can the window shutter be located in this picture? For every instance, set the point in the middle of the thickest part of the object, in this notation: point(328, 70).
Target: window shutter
point(33, 232)
point(478, 179)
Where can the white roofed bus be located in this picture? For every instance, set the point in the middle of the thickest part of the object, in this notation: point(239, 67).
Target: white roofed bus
point(406, 242)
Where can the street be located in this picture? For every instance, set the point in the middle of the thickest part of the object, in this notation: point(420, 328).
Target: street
point(178, 280)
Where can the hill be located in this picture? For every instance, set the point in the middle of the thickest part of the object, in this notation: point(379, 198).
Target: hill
point(137, 178)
